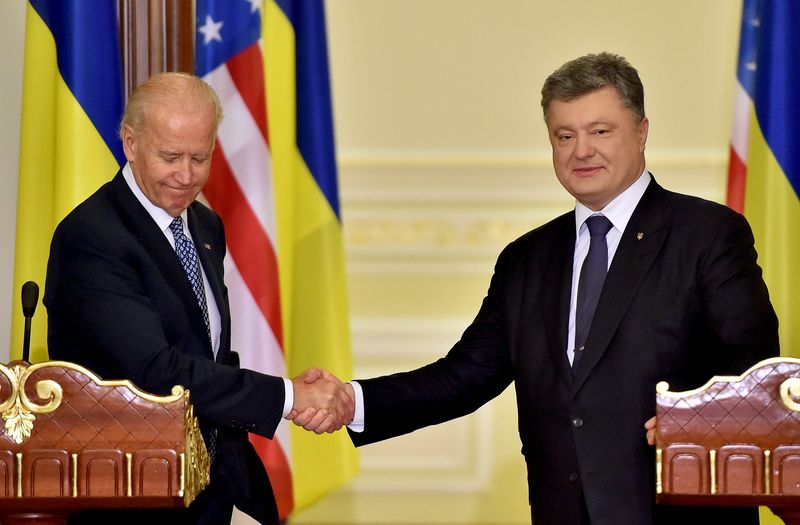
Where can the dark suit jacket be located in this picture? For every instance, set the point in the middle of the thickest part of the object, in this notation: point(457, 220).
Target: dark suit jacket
point(120, 303)
point(683, 300)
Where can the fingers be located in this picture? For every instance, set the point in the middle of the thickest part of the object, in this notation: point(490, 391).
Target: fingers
point(322, 403)
point(312, 374)
point(650, 426)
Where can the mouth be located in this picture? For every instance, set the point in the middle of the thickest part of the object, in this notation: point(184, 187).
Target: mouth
point(587, 171)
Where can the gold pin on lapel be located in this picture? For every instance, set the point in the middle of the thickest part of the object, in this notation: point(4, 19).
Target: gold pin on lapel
point(207, 246)
point(639, 236)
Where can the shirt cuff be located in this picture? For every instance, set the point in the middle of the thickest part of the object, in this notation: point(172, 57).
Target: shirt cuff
point(288, 399)
point(357, 424)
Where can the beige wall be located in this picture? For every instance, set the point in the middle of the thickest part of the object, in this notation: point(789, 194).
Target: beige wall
point(444, 159)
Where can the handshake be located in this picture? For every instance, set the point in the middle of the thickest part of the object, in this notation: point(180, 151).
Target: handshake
point(322, 403)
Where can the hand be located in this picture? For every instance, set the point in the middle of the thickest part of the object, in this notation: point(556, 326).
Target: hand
point(650, 426)
point(322, 403)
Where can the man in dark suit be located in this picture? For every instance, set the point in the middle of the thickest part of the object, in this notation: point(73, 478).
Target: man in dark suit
point(682, 300)
point(135, 290)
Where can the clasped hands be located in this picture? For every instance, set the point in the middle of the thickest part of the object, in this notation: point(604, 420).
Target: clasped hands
point(322, 403)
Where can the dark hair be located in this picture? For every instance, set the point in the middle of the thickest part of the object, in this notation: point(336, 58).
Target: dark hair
point(591, 72)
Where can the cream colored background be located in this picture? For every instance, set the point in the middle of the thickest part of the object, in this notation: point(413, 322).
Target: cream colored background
point(443, 159)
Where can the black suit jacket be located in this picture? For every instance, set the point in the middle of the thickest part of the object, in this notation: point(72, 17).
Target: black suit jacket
point(120, 303)
point(683, 300)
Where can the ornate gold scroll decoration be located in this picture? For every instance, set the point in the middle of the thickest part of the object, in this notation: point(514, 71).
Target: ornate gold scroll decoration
point(18, 410)
point(790, 390)
point(196, 466)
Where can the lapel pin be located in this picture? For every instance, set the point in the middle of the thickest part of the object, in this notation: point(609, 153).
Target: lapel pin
point(639, 236)
point(208, 246)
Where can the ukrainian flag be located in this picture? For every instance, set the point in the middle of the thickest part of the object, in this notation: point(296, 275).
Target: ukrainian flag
point(71, 106)
point(769, 73)
point(310, 243)
point(764, 173)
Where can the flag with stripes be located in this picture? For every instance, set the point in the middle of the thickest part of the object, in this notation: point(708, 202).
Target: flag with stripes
point(764, 170)
point(273, 182)
point(71, 106)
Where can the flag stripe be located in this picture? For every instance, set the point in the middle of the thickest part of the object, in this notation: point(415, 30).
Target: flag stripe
point(252, 338)
point(248, 244)
point(245, 150)
point(737, 177)
point(243, 68)
point(314, 113)
point(777, 77)
point(280, 473)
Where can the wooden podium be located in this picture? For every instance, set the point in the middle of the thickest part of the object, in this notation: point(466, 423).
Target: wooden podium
point(733, 442)
point(72, 441)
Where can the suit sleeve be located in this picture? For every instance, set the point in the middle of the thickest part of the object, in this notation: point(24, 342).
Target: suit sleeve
point(474, 371)
point(103, 314)
point(735, 299)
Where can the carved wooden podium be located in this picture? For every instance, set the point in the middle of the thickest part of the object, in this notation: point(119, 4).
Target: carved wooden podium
point(72, 441)
point(733, 442)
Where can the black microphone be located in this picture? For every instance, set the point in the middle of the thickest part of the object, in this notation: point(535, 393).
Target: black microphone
point(30, 297)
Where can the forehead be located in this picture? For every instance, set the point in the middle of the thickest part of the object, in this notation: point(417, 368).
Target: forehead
point(170, 125)
point(600, 105)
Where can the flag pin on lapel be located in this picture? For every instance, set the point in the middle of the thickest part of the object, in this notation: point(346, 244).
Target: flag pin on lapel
point(207, 246)
point(639, 236)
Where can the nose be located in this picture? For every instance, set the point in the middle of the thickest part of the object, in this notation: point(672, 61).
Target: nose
point(183, 172)
point(584, 148)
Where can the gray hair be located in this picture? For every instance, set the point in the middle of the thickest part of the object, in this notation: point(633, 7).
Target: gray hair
point(588, 73)
point(179, 89)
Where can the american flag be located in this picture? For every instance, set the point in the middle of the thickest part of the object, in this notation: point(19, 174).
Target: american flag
point(241, 190)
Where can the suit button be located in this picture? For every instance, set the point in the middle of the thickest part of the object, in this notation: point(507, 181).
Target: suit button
point(577, 422)
point(573, 477)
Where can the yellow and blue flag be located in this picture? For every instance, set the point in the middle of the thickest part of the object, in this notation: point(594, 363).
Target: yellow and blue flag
point(310, 240)
point(764, 181)
point(71, 106)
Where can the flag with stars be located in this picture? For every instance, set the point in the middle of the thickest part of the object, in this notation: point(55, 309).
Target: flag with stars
point(71, 106)
point(764, 170)
point(274, 184)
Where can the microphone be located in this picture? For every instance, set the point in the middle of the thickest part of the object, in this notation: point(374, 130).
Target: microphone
point(30, 297)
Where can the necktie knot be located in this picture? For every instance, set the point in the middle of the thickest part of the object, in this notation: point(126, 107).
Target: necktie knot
point(597, 224)
point(176, 226)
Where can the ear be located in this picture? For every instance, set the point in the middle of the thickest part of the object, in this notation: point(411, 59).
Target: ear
point(644, 128)
point(128, 142)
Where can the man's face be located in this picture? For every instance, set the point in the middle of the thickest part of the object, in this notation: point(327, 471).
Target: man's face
point(171, 155)
point(598, 146)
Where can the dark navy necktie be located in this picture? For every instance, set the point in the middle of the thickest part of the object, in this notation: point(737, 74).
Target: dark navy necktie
point(187, 254)
point(593, 274)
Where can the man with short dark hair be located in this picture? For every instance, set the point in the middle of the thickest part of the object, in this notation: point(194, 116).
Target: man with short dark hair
point(586, 313)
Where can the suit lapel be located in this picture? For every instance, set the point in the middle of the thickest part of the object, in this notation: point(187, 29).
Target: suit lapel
point(141, 224)
point(640, 244)
point(207, 249)
point(557, 283)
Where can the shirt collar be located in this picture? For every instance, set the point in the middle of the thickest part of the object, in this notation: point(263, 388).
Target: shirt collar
point(619, 210)
point(162, 218)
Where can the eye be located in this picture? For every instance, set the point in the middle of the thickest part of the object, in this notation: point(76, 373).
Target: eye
point(169, 158)
point(199, 159)
point(601, 132)
point(565, 137)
